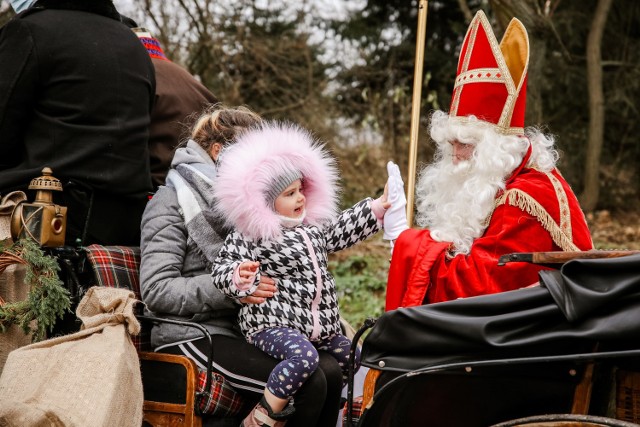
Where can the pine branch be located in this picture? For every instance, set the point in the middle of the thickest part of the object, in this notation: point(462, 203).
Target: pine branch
point(47, 299)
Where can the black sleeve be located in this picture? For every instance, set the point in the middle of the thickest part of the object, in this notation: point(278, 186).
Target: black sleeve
point(18, 82)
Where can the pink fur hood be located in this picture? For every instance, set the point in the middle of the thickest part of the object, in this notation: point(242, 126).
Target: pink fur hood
point(260, 156)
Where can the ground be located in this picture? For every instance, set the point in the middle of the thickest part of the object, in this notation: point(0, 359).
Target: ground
point(615, 231)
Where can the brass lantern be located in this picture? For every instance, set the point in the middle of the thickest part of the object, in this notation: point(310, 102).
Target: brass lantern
point(43, 221)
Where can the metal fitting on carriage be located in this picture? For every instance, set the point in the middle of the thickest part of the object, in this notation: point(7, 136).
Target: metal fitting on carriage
point(43, 221)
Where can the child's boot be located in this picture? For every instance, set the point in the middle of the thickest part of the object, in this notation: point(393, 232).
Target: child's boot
point(262, 415)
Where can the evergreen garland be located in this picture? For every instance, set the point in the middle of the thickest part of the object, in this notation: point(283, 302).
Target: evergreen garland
point(47, 299)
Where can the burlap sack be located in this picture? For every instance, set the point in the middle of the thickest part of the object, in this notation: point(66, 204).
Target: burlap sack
point(12, 287)
point(7, 203)
point(90, 378)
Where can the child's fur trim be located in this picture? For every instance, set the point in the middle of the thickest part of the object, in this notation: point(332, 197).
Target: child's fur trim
point(263, 154)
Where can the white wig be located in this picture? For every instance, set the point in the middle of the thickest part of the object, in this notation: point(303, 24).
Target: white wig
point(455, 201)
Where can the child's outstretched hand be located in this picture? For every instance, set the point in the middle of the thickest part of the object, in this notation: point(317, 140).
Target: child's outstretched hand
point(395, 218)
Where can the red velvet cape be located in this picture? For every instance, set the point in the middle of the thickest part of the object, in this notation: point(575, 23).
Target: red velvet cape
point(421, 272)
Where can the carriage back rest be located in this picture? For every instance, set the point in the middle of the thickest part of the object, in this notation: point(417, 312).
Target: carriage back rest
point(119, 267)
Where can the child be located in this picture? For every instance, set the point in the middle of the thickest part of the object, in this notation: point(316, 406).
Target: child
point(278, 188)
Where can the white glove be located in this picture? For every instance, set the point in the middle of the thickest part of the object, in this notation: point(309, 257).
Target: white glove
point(395, 218)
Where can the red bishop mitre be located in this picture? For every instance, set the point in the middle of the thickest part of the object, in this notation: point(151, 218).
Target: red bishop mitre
point(491, 82)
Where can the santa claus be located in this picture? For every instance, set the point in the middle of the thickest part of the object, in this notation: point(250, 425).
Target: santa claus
point(493, 188)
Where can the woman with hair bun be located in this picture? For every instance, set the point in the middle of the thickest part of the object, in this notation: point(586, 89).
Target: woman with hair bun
point(181, 237)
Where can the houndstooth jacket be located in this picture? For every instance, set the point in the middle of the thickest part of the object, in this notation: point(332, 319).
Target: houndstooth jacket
point(297, 261)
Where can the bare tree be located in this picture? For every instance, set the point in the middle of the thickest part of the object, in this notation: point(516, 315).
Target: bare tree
point(591, 188)
point(466, 11)
point(249, 54)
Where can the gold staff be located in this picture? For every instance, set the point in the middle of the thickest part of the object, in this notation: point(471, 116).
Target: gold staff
point(415, 108)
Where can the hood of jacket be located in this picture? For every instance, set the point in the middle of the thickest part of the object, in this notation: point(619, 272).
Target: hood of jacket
point(190, 154)
point(262, 155)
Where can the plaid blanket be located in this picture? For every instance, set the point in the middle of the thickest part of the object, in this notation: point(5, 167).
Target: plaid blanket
point(119, 267)
point(222, 400)
point(356, 413)
point(116, 266)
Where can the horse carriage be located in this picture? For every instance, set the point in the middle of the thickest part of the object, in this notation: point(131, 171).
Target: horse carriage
point(564, 353)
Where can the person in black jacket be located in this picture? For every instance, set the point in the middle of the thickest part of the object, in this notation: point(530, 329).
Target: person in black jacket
point(77, 90)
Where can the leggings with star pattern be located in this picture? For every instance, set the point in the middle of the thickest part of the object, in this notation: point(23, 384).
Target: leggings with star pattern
point(299, 357)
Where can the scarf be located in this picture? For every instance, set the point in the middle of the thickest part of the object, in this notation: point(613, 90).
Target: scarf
point(150, 43)
point(291, 222)
point(153, 47)
point(192, 175)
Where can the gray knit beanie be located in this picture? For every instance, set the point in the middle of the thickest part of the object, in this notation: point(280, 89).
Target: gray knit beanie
point(278, 185)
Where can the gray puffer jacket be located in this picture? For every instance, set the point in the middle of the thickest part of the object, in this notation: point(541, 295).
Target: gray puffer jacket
point(174, 279)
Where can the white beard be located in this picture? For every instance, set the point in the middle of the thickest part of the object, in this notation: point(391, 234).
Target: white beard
point(455, 201)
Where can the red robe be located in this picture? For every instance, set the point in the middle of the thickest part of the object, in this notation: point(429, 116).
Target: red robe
point(537, 212)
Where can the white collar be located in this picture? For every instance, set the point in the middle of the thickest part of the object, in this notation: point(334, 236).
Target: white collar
point(291, 222)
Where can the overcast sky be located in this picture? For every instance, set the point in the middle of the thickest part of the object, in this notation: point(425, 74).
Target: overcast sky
point(325, 8)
